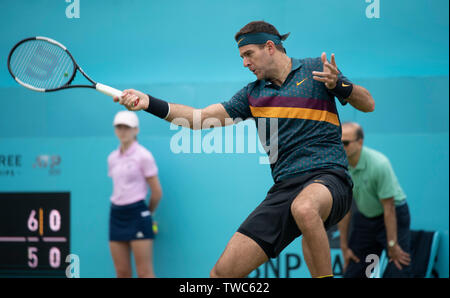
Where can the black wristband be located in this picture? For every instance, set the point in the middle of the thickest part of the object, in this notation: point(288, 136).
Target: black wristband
point(158, 107)
point(342, 90)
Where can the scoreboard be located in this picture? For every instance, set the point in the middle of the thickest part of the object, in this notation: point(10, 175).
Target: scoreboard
point(34, 234)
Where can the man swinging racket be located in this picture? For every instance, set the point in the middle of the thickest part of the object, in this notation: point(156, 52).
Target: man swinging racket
point(312, 189)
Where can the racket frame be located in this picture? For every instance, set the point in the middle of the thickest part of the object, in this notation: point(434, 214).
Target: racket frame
point(66, 85)
point(110, 91)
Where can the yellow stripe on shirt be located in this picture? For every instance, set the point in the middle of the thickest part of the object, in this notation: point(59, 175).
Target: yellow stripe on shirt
point(299, 113)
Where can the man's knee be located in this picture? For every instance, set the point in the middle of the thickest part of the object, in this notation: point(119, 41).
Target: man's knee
point(219, 271)
point(213, 273)
point(304, 213)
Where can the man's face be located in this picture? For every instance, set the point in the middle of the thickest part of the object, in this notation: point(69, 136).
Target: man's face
point(256, 59)
point(353, 146)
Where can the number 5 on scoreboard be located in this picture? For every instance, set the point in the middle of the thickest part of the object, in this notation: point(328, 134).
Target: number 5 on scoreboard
point(32, 257)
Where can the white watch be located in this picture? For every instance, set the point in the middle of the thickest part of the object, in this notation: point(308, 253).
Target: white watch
point(391, 243)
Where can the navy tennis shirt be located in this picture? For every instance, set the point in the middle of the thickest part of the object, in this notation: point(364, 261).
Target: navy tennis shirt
point(309, 128)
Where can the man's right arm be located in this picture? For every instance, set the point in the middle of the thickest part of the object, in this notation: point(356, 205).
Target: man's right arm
point(343, 235)
point(177, 113)
point(195, 117)
point(343, 230)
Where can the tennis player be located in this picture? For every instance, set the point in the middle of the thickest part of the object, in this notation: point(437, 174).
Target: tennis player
point(132, 169)
point(312, 189)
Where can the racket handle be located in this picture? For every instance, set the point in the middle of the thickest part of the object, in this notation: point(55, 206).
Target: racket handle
point(113, 92)
point(110, 91)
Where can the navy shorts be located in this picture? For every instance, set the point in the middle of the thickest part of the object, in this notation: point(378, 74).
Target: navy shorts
point(272, 225)
point(130, 222)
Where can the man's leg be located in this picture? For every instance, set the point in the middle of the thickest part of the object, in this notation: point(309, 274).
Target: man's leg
point(363, 243)
point(310, 209)
point(308, 259)
point(241, 256)
point(362, 246)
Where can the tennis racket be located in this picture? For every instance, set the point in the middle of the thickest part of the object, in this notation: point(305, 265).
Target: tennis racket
point(45, 65)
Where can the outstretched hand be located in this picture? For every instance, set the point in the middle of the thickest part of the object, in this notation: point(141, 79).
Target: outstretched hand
point(329, 74)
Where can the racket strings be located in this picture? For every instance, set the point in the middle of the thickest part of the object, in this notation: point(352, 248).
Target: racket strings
point(41, 64)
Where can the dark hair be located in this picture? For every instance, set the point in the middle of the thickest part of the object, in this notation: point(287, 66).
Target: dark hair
point(261, 26)
point(359, 133)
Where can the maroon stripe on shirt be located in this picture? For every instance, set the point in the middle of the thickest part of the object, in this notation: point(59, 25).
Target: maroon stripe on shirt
point(293, 102)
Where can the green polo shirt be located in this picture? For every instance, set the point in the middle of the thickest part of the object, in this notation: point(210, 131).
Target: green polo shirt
point(374, 180)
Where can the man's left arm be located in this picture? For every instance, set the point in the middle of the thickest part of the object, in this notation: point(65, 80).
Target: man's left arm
point(395, 252)
point(390, 219)
point(361, 99)
point(358, 96)
point(385, 178)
